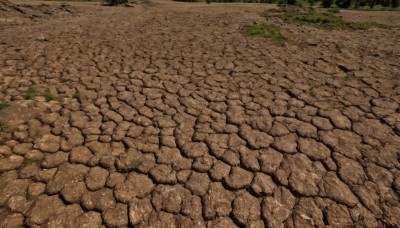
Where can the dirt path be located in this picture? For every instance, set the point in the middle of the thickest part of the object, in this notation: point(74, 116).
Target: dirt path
point(172, 117)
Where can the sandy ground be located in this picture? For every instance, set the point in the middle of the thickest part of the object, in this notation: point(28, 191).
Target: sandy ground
point(170, 116)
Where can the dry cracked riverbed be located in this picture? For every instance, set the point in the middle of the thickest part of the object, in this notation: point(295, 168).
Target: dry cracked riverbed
point(165, 114)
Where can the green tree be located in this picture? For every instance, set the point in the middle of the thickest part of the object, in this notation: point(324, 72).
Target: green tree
point(386, 3)
point(343, 3)
point(372, 4)
point(326, 3)
point(395, 3)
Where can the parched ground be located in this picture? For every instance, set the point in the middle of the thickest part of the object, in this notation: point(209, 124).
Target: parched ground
point(171, 117)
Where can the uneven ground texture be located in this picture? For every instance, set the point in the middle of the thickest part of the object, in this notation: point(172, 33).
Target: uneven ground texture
point(172, 117)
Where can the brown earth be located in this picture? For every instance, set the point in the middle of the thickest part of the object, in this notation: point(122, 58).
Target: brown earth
point(172, 117)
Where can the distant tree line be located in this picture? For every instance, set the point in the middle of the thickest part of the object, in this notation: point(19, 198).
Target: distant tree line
point(360, 3)
point(324, 3)
point(241, 1)
point(116, 2)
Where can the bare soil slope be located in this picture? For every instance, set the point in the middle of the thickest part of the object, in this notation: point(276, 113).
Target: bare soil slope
point(166, 114)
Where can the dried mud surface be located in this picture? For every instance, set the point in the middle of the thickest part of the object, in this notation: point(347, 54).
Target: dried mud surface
point(171, 117)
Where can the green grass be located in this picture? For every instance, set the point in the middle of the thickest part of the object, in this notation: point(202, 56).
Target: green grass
point(361, 26)
point(33, 104)
point(75, 95)
point(321, 20)
point(375, 8)
point(3, 105)
point(333, 10)
point(273, 10)
point(137, 164)
point(29, 162)
point(3, 127)
point(50, 97)
point(318, 20)
point(271, 31)
point(30, 94)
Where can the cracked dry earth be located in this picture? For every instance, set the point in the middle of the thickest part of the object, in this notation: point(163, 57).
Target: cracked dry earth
point(172, 117)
